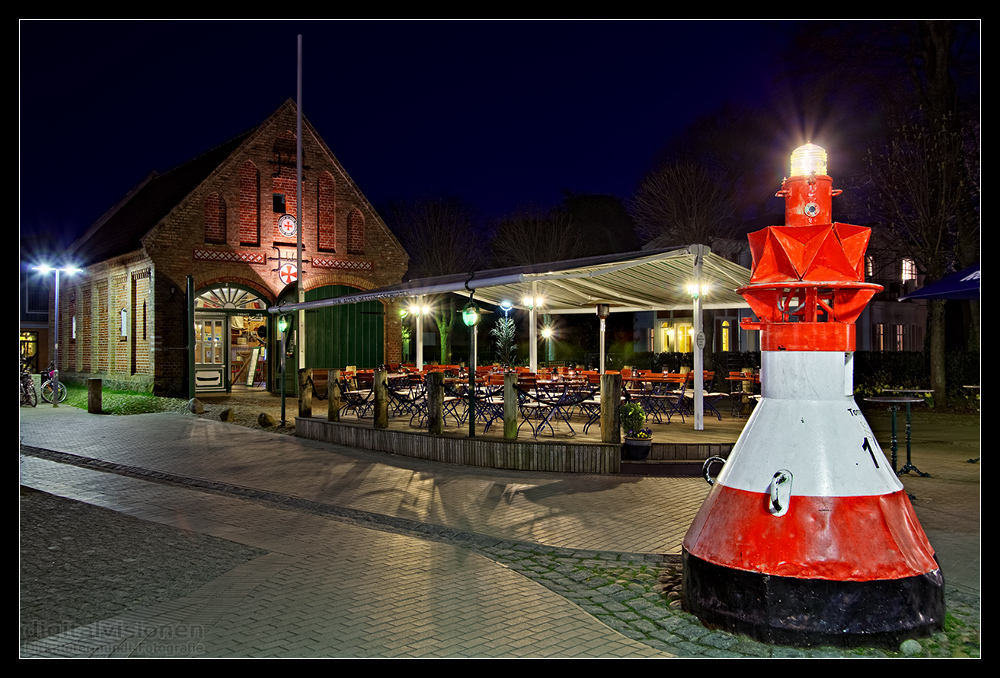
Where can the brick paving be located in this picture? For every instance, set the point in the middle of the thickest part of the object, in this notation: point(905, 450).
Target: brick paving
point(304, 549)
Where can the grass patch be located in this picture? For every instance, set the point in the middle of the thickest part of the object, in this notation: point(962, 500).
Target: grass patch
point(124, 402)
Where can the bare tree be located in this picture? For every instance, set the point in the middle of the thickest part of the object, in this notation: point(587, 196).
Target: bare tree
point(683, 204)
point(923, 177)
point(918, 184)
point(603, 223)
point(442, 236)
point(530, 236)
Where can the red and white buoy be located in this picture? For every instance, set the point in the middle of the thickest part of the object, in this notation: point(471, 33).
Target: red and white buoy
point(807, 536)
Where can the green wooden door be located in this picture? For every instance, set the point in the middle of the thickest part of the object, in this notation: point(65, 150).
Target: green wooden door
point(337, 336)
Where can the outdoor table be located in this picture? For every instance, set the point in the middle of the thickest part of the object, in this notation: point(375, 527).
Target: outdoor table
point(915, 392)
point(736, 396)
point(976, 459)
point(894, 402)
point(652, 398)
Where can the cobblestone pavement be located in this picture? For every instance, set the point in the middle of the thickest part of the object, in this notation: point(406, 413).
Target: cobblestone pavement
point(336, 552)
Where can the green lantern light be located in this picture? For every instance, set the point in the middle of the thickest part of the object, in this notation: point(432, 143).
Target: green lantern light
point(470, 314)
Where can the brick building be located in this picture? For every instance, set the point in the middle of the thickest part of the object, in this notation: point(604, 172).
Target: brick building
point(216, 218)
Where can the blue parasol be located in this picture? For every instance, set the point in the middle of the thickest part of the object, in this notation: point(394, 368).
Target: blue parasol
point(961, 285)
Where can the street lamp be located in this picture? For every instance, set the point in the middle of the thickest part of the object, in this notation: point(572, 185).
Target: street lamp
point(547, 334)
point(694, 292)
point(697, 290)
point(284, 321)
point(45, 268)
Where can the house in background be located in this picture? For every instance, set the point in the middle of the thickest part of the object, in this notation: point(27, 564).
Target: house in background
point(228, 220)
point(888, 324)
point(672, 331)
point(33, 301)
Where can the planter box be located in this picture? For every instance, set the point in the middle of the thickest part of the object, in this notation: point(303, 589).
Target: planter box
point(636, 449)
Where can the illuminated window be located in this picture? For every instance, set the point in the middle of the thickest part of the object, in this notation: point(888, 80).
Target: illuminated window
point(909, 270)
point(685, 337)
point(677, 337)
point(878, 337)
point(29, 351)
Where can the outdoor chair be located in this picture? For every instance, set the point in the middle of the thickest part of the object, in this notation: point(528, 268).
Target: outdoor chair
point(675, 402)
point(360, 402)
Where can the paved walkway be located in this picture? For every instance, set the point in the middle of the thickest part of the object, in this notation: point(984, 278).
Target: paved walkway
point(337, 552)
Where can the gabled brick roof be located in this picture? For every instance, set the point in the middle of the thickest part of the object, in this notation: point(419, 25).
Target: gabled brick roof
point(122, 228)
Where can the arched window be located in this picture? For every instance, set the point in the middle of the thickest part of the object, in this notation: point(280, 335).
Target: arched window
point(284, 194)
point(215, 219)
point(249, 204)
point(355, 232)
point(327, 214)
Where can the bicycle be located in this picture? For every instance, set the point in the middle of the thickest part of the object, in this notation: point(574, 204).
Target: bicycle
point(48, 387)
point(29, 396)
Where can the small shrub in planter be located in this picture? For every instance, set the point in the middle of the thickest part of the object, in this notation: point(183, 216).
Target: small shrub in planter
point(633, 419)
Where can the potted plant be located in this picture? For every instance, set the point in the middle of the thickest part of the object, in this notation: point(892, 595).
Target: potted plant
point(638, 438)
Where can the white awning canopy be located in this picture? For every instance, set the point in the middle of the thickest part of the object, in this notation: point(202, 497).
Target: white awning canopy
point(632, 281)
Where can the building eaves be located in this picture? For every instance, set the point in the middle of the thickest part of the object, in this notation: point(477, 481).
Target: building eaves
point(122, 228)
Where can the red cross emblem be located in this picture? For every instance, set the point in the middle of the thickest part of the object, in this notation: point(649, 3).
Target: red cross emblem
point(288, 273)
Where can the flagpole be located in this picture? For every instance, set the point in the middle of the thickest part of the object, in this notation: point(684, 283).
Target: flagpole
point(299, 212)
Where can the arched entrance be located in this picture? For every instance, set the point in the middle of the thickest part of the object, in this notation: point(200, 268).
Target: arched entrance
point(231, 328)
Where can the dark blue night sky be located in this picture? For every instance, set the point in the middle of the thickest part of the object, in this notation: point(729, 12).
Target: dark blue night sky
point(498, 113)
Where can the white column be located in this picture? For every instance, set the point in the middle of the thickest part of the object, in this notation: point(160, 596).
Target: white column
point(533, 330)
point(420, 333)
point(699, 336)
point(601, 366)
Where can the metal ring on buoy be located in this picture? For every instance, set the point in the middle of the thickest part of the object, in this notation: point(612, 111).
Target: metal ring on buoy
point(706, 466)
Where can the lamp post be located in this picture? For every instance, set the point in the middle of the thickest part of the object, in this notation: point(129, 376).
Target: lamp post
point(602, 312)
point(547, 333)
point(471, 317)
point(283, 323)
point(697, 291)
point(45, 268)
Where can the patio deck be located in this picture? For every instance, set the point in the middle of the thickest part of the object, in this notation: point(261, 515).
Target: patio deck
point(678, 449)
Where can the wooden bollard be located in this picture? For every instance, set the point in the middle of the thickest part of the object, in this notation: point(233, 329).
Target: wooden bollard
point(510, 406)
point(435, 402)
point(380, 385)
point(94, 403)
point(305, 392)
point(333, 404)
point(611, 399)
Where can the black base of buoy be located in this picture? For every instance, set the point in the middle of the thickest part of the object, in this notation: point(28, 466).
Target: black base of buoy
point(809, 612)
